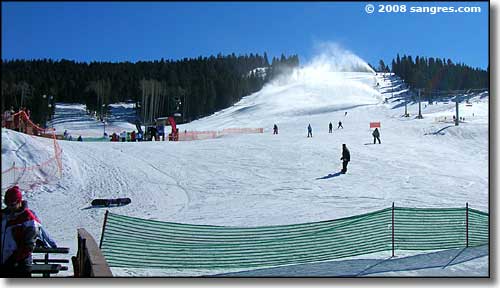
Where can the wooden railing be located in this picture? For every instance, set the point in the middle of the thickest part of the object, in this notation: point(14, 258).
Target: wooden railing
point(89, 261)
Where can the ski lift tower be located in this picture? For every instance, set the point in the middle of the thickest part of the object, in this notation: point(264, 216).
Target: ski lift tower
point(457, 100)
point(419, 116)
point(174, 135)
point(406, 103)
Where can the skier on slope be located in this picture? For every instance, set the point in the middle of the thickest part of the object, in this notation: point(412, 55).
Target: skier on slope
point(340, 125)
point(309, 131)
point(330, 127)
point(376, 136)
point(346, 157)
point(275, 129)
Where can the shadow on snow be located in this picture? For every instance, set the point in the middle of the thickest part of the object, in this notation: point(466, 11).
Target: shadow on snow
point(329, 176)
point(362, 267)
point(440, 131)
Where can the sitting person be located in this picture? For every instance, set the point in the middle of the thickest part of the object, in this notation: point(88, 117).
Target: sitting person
point(20, 230)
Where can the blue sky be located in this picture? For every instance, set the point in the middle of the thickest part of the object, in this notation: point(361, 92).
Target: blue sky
point(134, 31)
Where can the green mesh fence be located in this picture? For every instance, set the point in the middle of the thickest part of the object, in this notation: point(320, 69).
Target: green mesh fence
point(135, 243)
point(94, 139)
point(439, 228)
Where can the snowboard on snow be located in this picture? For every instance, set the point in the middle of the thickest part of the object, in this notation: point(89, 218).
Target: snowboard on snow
point(111, 202)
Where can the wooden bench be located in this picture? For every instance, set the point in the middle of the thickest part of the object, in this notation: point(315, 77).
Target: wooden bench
point(46, 265)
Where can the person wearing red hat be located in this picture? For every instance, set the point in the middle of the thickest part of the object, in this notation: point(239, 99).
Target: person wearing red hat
point(20, 229)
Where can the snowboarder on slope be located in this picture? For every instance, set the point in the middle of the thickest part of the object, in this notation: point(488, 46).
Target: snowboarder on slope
point(330, 127)
point(346, 157)
point(376, 136)
point(309, 131)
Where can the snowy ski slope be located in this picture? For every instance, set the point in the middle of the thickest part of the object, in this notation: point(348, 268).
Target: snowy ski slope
point(265, 179)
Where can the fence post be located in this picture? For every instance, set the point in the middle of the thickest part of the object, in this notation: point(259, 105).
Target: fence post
point(82, 269)
point(392, 229)
point(103, 227)
point(14, 170)
point(466, 224)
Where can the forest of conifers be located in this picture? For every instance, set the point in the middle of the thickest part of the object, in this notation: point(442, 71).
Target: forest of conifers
point(435, 76)
point(194, 87)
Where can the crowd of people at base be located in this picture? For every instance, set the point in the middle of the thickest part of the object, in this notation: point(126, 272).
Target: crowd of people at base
point(127, 137)
point(152, 134)
point(21, 231)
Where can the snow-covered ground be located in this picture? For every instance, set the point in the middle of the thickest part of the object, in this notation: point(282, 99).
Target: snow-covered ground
point(266, 179)
point(74, 119)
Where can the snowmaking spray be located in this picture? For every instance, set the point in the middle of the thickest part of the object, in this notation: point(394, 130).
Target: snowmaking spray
point(334, 79)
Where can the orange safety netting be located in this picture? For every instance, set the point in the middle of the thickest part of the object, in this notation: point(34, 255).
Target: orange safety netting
point(196, 135)
point(201, 135)
point(29, 177)
point(241, 131)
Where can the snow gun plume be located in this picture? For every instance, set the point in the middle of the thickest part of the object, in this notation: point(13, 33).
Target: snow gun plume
point(332, 57)
point(334, 79)
point(331, 64)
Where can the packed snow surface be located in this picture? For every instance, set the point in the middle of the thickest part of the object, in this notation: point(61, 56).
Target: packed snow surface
point(265, 179)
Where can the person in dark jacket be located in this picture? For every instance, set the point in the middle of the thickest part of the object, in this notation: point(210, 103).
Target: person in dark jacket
point(346, 157)
point(132, 136)
point(340, 125)
point(20, 230)
point(309, 131)
point(275, 129)
point(376, 136)
point(330, 127)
